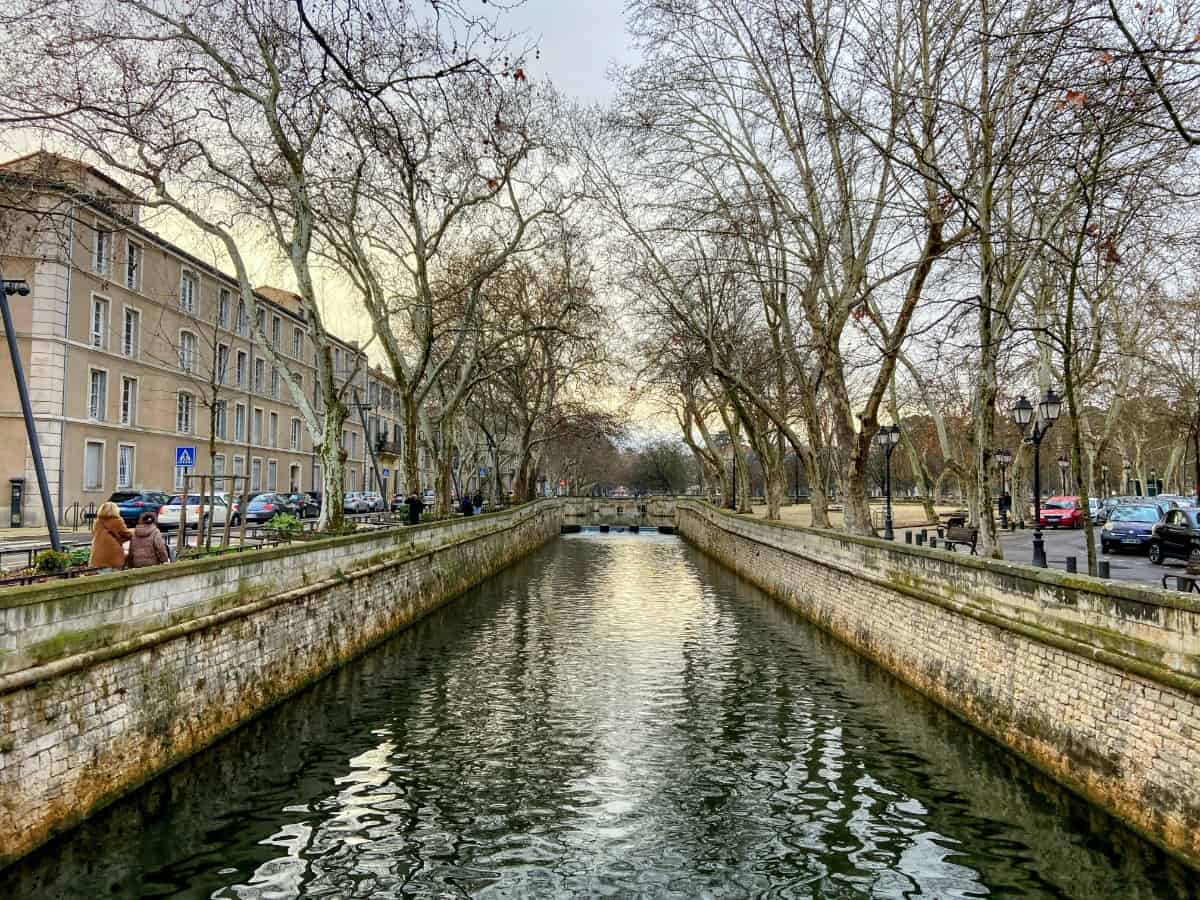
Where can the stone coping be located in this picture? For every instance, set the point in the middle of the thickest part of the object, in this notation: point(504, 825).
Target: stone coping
point(65, 588)
point(1048, 577)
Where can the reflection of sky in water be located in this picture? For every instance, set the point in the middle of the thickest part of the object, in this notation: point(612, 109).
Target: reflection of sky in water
point(613, 717)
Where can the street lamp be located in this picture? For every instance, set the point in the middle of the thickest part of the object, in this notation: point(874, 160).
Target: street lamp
point(888, 438)
point(1048, 412)
point(1152, 484)
point(1104, 477)
point(1004, 459)
point(1128, 467)
point(20, 288)
point(1063, 465)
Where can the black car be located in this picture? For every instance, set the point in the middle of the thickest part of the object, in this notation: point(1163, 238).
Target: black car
point(1129, 527)
point(1177, 536)
point(264, 507)
point(304, 505)
point(399, 503)
point(133, 503)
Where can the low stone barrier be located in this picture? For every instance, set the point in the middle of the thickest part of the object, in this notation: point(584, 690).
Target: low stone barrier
point(1096, 683)
point(108, 681)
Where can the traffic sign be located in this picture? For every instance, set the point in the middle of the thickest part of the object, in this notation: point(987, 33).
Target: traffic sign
point(185, 457)
point(386, 473)
point(483, 470)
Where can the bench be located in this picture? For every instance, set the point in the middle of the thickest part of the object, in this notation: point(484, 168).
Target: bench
point(959, 534)
point(1186, 583)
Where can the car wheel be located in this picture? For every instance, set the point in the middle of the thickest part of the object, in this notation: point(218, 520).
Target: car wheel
point(1156, 554)
point(1194, 555)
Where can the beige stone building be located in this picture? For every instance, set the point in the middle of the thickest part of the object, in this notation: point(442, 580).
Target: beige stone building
point(133, 347)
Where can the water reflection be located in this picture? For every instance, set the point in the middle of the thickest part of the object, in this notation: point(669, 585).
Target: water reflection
point(615, 716)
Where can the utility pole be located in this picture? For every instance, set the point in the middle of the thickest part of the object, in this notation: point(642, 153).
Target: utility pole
point(21, 288)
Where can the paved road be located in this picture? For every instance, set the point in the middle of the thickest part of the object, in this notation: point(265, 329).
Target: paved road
point(1128, 566)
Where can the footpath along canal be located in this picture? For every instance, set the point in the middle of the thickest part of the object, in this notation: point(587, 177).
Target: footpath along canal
point(615, 715)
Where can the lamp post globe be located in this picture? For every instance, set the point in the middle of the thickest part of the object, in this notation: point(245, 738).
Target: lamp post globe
point(1004, 459)
point(887, 438)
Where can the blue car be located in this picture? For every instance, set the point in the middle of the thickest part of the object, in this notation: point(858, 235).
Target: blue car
point(1130, 527)
point(133, 503)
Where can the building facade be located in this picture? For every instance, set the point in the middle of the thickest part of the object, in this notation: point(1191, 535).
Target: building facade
point(133, 348)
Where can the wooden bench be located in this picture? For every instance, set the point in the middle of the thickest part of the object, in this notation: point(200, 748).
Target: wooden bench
point(959, 534)
point(1183, 582)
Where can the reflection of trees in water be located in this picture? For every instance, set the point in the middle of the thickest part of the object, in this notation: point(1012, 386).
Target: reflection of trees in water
point(615, 713)
point(1018, 828)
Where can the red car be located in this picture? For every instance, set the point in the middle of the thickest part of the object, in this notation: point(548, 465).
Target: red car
point(1062, 512)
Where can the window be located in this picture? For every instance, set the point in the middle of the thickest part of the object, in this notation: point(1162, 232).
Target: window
point(295, 443)
point(260, 375)
point(219, 419)
point(222, 361)
point(224, 301)
point(219, 472)
point(239, 422)
point(185, 407)
point(317, 484)
point(256, 474)
point(345, 439)
point(131, 333)
point(99, 322)
point(128, 401)
point(354, 444)
point(274, 429)
point(297, 343)
point(243, 320)
point(258, 322)
point(239, 468)
point(276, 325)
point(93, 465)
point(187, 351)
point(274, 383)
point(240, 369)
point(272, 474)
point(293, 478)
point(258, 426)
point(353, 479)
point(102, 249)
point(181, 478)
point(337, 360)
point(133, 265)
point(125, 465)
point(187, 292)
point(372, 392)
point(97, 394)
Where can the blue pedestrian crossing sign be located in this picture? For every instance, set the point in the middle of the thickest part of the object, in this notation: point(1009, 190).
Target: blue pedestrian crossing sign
point(386, 473)
point(185, 457)
point(483, 470)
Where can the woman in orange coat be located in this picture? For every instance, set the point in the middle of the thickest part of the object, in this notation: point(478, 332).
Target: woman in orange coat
point(108, 535)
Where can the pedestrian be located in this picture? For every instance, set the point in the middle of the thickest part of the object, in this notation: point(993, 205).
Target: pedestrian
point(147, 547)
point(478, 501)
point(466, 507)
point(415, 508)
point(109, 535)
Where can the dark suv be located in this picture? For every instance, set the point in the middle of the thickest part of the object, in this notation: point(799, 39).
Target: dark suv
point(133, 503)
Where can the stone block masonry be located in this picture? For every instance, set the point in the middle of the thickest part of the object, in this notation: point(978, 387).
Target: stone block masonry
point(1095, 683)
point(109, 681)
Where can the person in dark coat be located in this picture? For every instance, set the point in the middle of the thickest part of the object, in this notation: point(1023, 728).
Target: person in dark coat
point(415, 508)
point(147, 548)
point(467, 508)
point(478, 501)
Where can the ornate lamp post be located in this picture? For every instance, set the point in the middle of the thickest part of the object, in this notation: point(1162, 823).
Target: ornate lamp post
point(1104, 478)
point(1048, 412)
point(1004, 459)
point(888, 438)
point(1063, 465)
point(1152, 484)
point(1128, 467)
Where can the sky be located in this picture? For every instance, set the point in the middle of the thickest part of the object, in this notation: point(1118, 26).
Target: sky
point(578, 40)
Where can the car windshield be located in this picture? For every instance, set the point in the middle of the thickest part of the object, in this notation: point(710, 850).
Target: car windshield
point(1060, 504)
point(1135, 514)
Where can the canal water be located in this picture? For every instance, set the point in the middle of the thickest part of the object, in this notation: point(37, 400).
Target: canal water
point(615, 716)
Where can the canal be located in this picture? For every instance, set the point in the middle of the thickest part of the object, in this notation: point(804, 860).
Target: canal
point(613, 716)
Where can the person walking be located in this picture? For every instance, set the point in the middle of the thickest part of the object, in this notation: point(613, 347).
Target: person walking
point(478, 501)
point(415, 508)
point(467, 508)
point(147, 547)
point(109, 534)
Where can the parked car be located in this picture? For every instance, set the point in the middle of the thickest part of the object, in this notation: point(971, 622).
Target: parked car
point(399, 503)
point(354, 502)
point(133, 503)
point(265, 506)
point(1177, 536)
point(305, 506)
point(428, 496)
point(235, 504)
point(374, 501)
point(198, 508)
point(1062, 512)
point(1129, 527)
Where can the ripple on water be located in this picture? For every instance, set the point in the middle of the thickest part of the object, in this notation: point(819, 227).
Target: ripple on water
point(613, 717)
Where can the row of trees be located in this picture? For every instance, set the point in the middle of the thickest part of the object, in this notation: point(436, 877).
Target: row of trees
point(838, 215)
point(394, 149)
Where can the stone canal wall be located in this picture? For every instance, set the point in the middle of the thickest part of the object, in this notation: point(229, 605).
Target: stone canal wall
point(1096, 683)
point(108, 681)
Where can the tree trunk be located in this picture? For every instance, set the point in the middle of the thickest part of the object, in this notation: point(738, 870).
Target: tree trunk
point(333, 469)
point(412, 475)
